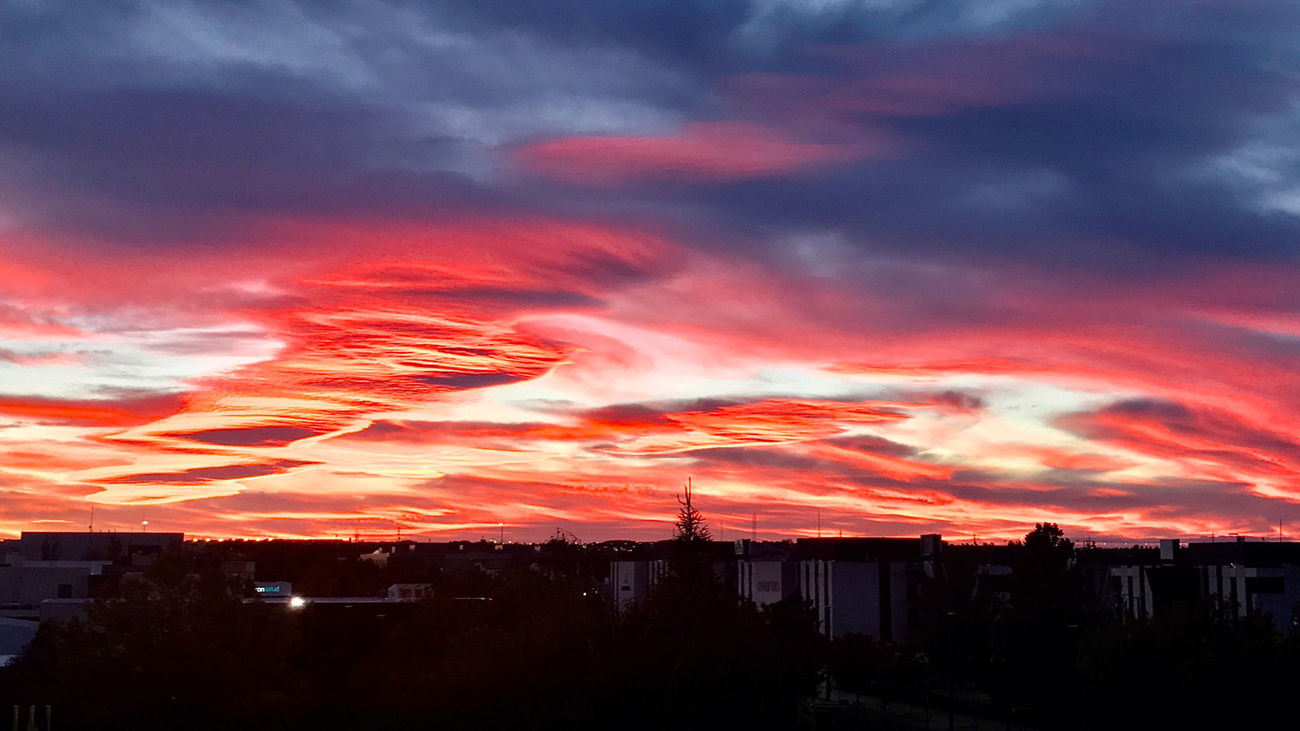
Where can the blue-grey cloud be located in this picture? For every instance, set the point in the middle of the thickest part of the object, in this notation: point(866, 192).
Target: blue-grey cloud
point(1060, 134)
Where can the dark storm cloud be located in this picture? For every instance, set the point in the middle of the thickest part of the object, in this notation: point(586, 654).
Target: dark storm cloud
point(1109, 157)
point(1064, 134)
point(96, 161)
point(725, 34)
point(131, 121)
point(1104, 140)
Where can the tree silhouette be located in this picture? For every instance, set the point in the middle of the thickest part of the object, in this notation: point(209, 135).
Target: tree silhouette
point(691, 526)
point(1043, 625)
point(1045, 586)
point(175, 649)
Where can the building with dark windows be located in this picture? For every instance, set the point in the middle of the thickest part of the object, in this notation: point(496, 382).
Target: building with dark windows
point(635, 568)
point(1239, 577)
point(766, 573)
point(1247, 578)
point(869, 586)
point(70, 568)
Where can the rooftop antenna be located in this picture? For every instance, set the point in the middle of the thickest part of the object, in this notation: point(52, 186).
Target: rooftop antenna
point(92, 519)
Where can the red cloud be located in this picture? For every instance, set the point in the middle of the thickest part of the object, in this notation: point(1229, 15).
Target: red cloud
point(701, 151)
point(1207, 441)
point(209, 474)
point(775, 420)
point(92, 412)
point(409, 336)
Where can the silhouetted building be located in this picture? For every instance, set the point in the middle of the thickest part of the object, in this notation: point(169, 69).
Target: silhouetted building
point(81, 546)
point(631, 579)
point(1249, 578)
point(1240, 577)
point(766, 572)
point(70, 567)
point(870, 586)
point(409, 592)
point(637, 568)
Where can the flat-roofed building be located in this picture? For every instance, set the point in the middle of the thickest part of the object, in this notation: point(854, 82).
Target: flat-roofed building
point(869, 586)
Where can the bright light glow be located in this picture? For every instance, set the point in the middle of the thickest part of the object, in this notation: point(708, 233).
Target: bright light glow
point(297, 603)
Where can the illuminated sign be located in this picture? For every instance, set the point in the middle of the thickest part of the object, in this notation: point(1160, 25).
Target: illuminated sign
point(273, 588)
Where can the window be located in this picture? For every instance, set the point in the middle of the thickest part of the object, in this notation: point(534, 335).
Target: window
point(1265, 584)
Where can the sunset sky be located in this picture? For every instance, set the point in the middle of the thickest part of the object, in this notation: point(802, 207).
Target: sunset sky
point(958, 266)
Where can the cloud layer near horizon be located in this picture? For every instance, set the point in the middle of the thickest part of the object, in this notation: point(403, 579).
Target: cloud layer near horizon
point(292, 269)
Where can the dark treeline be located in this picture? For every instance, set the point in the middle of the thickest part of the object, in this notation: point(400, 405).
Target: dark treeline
point(539, 647)
point(181, 649)
point(1056, 653)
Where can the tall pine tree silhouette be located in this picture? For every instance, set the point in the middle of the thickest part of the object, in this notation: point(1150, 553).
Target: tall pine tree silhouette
point(691, 561)
point(690, 527)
